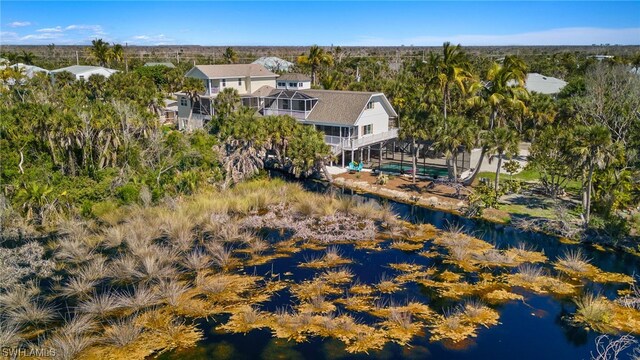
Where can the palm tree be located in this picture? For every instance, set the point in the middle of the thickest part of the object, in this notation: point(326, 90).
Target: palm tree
point(192, 87)
point(594, 150)
point(116, 54)
point(451, 135)
point(34, 198)
point(230, 56)
point(501, 141)
point(99, 50)
point(316, 58)
point(452, 72)
point(27, 57)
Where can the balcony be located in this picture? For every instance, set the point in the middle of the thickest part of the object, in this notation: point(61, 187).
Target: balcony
point(297, 114)
point(366, 140)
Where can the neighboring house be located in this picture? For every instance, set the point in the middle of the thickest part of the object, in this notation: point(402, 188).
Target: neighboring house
point(252, 81)
point(350, 120)
point(274, 63)
point(82, 72)
point(293, 81)
point(542, 84)
point(169, 111)
point(28, 70)
point(167, 64)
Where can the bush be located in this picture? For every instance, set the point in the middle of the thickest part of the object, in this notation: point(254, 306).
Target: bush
point(128, 193)
point(383, 179)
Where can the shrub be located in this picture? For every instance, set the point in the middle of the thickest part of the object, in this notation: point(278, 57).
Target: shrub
point(383, 179)
point(128, 193)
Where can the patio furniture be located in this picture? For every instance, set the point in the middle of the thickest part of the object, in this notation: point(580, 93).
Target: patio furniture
point(355, 167)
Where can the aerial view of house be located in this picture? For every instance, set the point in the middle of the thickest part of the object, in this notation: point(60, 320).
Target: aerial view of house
point(319, 180)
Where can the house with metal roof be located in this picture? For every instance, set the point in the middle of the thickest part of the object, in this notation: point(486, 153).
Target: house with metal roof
point(274, 63)
point(28, 70)
point(542, 84)
point(82, 72)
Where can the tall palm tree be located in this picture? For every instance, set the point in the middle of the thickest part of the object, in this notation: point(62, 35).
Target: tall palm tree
point(451, 135)
point(100, 51)
point(230, 56)
point(594, 150)
point(452, 72)
point(501, 141)
point(316, 58)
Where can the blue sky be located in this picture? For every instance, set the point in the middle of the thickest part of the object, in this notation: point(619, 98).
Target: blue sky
point(323, 23)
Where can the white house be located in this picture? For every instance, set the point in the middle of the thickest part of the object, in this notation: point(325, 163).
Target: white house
point(351, 120)
point(541, 84)
point(28, 70)
point(293, 81)
point(82, 72)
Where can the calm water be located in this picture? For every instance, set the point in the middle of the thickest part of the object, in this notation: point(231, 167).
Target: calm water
point(533, 329)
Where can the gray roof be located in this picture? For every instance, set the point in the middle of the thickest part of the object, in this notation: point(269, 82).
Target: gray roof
point(81, 69)
point(167, 64)
point(337, 107)
point(263, 91)
point(232, 71)
point(294, 77)
point(28, 70)
point(274, 63)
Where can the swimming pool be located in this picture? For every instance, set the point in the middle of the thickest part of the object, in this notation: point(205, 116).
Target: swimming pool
point(432, 171)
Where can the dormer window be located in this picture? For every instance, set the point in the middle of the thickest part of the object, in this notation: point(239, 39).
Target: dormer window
point(292, 84)
point(299, 84)
point(370, 105)
point(282, 84)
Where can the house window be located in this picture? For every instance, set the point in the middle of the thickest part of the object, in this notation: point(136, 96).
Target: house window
point(282, 84)
point(299, 84)
point(183, 101)
point(239, 81)
point(367, 129)
point(292, 84)
point(81, 77)
point(224, 82)
point(370, 105)
point(285, 104)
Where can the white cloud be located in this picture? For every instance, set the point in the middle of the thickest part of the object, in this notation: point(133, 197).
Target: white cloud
point(19, 24)
point(159, 39)
point(56, 29)
point(8, 36)
point(43, 36)
point(563, 36)
point(91, 28)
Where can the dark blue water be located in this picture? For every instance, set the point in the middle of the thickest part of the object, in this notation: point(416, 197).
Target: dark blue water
point(534, 329)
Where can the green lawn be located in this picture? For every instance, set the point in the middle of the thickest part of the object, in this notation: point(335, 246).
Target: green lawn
point(527, 175)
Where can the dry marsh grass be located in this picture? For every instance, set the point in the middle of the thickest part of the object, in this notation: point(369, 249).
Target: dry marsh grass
point(137, 287)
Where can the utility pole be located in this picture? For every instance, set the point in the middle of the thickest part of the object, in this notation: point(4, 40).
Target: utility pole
point(77, 58)
point(126, 63)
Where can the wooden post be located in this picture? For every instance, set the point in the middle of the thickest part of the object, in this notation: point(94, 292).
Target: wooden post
point(380, 158)
point(342, 157)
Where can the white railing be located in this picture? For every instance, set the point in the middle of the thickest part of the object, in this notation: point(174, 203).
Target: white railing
point(298, 114)
point(353, 144)
point(333, 140)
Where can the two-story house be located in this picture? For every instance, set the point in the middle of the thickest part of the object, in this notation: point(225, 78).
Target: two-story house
point(352, 121)
point(250, 80)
